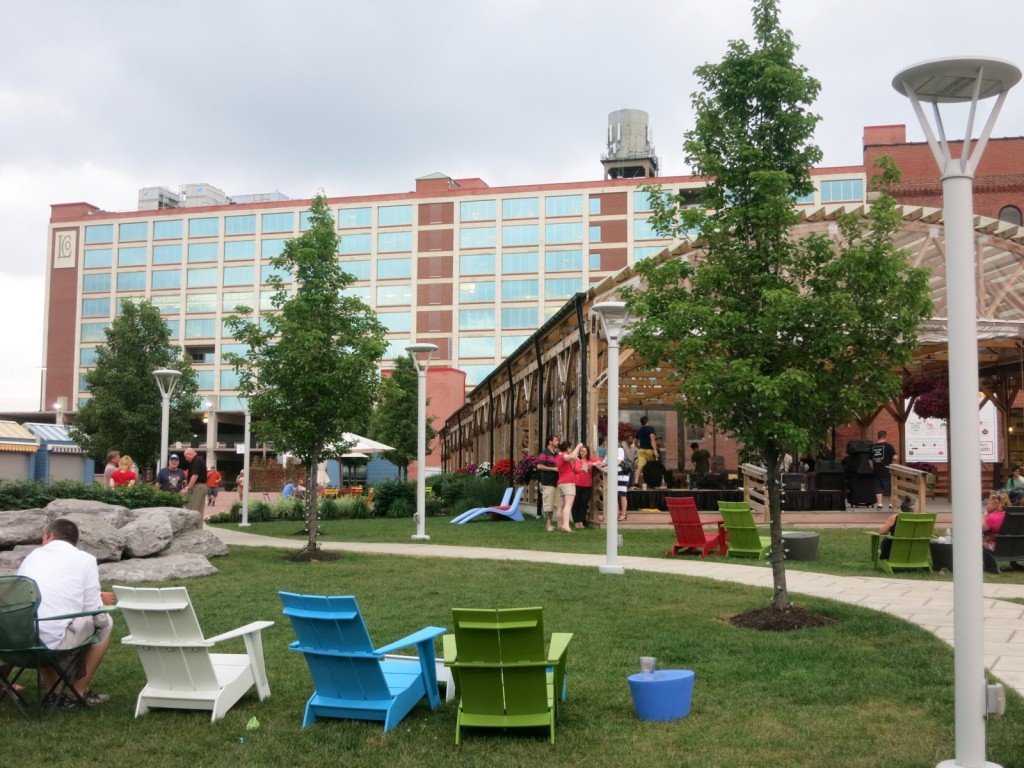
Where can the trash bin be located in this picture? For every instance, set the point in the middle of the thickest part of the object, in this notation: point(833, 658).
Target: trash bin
point(662, 695)
point(800, 545)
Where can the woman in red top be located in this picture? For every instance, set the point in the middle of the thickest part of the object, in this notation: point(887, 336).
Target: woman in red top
point(123, 475)
point(584, 486)
point(565, 461)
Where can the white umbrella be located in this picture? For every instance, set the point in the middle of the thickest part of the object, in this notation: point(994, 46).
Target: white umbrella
point(360, 444)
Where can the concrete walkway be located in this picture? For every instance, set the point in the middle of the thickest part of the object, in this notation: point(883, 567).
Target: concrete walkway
point(928, 604)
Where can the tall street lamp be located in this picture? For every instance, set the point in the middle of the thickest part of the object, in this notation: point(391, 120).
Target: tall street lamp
point(244, 401)
point(613, 320)
point(962, 80)
point(421, 434)
point(167, 380)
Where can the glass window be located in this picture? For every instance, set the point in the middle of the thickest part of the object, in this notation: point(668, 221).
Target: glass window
point(571, 232)
point(267, 271)
point(396, 349)
point(234, 349)
point(394, 242)
point(595, 234)
point(641, 201)
point(476, 373)
point(477, 264)
point(477, 210)
point(230, 403)
point(272, 247)
point(231, 299)
point(349, 218)
point(594, 260)
point(355, 244)
point(167, 254)
point(361, 292)
point(167, 303)
point(200, 252)
point(520, 208)
point(391, 269)
point(842, 190)
point(477, 237)
point(595, 206)
point(472, 292)
point(359, 269)
point(510, 344)
point(278, 222)
point(203, 227)
point(202, 278)
point(476, 346)
point(520, 234)
point(228, 379)
point(99, 233)
point(519, 290)
point(131, 281)
point(132, 230)
point(562, 287)
point(563, 261)
point(240, 250)
point(304, 219)
point(639, 254)
point(807, 199)
point(94, 331)
point(196, 303)
point(174, 328)
point(394, 215)
point(394, 295)
point(476, 319)
point(131, 257)
point(239, 275)
point(98, 258)
point(1010, 214)
point(266, 299)
point(204, 379)
point(87, 356)
point(519, 317)
point(167, 230)
point(642, 230)
point(240, 225)
point(200, 328)
point(396, 322)
point(96, 307)
point(96, 283)
point(563, 205)
point(516, 263)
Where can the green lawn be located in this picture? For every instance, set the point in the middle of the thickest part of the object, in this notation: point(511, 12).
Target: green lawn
point(868, 691)
point(841, 551)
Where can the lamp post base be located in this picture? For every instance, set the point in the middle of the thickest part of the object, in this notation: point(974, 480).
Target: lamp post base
point(955, 764)
point(245, 525)
point(417, 537)
point(618, 570)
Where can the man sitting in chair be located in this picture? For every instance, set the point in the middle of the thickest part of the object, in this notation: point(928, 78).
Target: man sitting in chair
point(69, 582)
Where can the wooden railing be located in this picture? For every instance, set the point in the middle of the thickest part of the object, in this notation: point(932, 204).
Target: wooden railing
point(909, 482)
point(755, 492)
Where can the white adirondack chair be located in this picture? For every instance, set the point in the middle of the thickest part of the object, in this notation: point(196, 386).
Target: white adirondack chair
point(181, 672)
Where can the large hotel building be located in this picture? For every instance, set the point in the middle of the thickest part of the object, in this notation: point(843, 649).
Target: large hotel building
point(471, 268)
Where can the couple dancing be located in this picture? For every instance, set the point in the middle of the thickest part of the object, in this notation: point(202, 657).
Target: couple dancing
point(566, 482)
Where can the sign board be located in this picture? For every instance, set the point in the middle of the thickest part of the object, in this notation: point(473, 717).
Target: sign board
point(927, 438)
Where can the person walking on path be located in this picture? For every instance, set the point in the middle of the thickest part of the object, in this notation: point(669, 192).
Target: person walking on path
point(213, 479)
point(882, 455)
point(196, 486)
point(647, 448)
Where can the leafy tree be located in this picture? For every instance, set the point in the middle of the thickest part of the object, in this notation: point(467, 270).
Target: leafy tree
point(396, 418)
point(311, 372)
point(124, 411)
point(777, 337)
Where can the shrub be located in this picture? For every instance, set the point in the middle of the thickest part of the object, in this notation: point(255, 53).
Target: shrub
point(389, 492)
point(330, 509)
point(449, 488)
point(288, 509)
point(433, 507)
point(355, 508)
point(32, 494)
point(401, 507)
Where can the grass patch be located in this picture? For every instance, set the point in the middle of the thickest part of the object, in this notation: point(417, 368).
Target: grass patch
point(870, 690)
point(841, 551)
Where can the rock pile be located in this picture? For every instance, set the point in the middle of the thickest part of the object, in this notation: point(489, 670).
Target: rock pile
point(153, 544)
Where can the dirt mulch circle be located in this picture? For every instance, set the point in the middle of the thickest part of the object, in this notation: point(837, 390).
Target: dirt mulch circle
point(313, 556)
point(773, 619)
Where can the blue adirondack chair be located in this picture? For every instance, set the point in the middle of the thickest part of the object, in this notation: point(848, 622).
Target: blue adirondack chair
point(351, 678)
point(511, 511)
point(470, 513)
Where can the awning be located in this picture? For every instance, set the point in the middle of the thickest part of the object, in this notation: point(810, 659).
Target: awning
point(14, 437)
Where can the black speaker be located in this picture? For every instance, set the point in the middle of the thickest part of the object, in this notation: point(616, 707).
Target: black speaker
point(858, 446)
point(793, 481)
point(826, 466)
point(830, 481)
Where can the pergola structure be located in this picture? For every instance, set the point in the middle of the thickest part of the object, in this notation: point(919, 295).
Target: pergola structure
point(554, 382)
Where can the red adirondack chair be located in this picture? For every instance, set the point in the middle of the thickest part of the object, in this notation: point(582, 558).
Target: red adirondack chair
point(690, 533)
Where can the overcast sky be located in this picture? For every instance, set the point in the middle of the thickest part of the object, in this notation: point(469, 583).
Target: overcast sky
point(362, 96)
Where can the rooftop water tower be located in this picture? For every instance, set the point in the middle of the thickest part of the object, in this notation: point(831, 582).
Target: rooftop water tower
point(630, 152)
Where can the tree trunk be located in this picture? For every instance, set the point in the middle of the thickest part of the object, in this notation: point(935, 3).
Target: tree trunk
point(311, 504)
point(780, 598)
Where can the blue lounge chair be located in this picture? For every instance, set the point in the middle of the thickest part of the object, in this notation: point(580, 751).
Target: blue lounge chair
point(511, 511)
point(470, 513)
point(352, 679)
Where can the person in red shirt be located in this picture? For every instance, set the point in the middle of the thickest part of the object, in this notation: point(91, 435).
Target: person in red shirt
point(565, 462)
point(123, 475)
point(584, 486)
point(213, 480)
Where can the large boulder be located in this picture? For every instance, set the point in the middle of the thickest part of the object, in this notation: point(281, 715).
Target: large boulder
point(166, 567)
point(180, 519)
point(112, 514)
point(22, 526)
point(97, 537)
point(10, 560)
point(147, 535)
point(201, 542)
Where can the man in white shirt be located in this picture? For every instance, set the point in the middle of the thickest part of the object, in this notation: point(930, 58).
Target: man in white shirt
point(69, 582)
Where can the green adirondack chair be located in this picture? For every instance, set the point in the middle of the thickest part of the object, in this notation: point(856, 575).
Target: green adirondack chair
point(744, 538)
point(502, 674)
point(909, 549)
